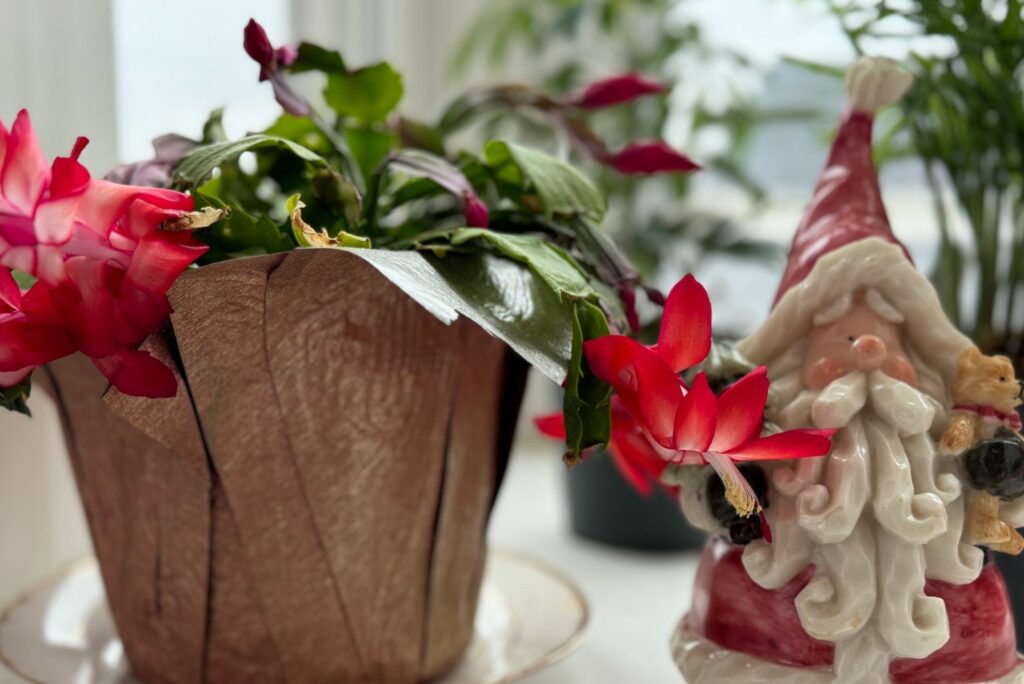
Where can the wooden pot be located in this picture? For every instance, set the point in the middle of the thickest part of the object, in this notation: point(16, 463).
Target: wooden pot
point(312, 505)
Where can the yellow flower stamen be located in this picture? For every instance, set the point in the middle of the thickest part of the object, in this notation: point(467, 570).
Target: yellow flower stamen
point(744, 504)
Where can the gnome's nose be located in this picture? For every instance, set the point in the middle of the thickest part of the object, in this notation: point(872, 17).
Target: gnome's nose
point(869, 352)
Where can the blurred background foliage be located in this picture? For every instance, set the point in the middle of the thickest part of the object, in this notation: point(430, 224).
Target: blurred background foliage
point(712, 101)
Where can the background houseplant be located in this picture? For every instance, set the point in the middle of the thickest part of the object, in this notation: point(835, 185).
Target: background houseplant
point(652, 219)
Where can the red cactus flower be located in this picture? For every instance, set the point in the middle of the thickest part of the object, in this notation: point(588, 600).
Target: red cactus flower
point(646, 158)
point(102, 266)
point(617, 90)
point(690, 426)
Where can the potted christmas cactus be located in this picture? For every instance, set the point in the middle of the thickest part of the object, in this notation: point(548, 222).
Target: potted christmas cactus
point(286, 444)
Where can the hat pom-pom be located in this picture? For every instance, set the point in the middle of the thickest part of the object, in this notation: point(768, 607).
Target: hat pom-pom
point(874, 82)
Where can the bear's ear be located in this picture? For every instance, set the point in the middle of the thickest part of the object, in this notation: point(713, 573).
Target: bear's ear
point(971, 354)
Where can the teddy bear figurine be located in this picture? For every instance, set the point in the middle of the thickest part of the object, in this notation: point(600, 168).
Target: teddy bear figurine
point(985, 428)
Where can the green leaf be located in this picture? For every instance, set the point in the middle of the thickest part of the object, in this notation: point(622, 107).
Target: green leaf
point(551, 263)
point(302, 130)
point(370, 147)
point(339, 194)
point(312, 57)
point(16, 398)
point(199, 164)
point(562, 189)
point(368, 94)
point(587, 400)
point(420, 136)
point(503, 297)
point(213, 129)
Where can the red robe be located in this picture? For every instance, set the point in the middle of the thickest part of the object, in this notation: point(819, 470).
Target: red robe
point(733, 612)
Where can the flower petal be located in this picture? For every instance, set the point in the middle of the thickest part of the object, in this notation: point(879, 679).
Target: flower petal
point(24, 173)
point(138, 374)
point(740, 411)
point(696, 418)
point(610, 358)
point(10, 293)
point(475, 211)
point(659, 395)
point(650, 158)
point(157, 263)
point(789, 444)
point(552, 425)
point(617, 90)
point(257, 44)
point(685, 335)
point(638, 462)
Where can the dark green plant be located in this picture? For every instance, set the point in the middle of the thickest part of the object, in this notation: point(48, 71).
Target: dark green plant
point(638, 36)
point(964, 119)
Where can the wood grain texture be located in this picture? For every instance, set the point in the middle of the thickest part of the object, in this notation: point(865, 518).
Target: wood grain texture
point(365, 379)
point(146, 497)
point(311, 507)
point(219, 325)
point(241, 649)
point(469, 485)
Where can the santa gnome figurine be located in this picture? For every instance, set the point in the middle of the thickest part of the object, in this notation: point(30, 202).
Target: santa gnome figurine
point(870, 575)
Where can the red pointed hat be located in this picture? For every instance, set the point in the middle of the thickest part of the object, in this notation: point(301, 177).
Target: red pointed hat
point(847, 202)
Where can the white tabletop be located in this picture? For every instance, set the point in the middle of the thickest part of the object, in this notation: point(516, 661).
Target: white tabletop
point(635, 598)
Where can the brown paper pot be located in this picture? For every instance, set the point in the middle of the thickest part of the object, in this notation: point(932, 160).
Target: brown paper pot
point(311, 507)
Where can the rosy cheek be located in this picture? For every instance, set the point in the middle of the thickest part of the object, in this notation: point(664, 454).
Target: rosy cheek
point(825, 370)
point(898, 367)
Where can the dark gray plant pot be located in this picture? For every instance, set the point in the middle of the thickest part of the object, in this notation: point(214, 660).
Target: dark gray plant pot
point(603, 507)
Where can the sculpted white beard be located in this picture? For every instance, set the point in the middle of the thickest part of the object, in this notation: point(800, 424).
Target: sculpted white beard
point(878, 516)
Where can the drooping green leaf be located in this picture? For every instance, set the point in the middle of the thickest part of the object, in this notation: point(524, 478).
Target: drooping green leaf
point(199, 164)
point(312, 57)
point(502, 296)
point(16, 398)
point(551, 263)
point(368, 94)
point(563, 190)
point(587, 401)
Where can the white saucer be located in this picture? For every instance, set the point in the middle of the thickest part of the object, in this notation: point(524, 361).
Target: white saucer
point(529, 618)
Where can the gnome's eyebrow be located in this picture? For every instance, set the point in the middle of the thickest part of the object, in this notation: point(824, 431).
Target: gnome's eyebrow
point(838, 307)
point(834, 310)
point(881, 306)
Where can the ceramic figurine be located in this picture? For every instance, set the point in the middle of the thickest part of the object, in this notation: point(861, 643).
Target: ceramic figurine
point(872, 573)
